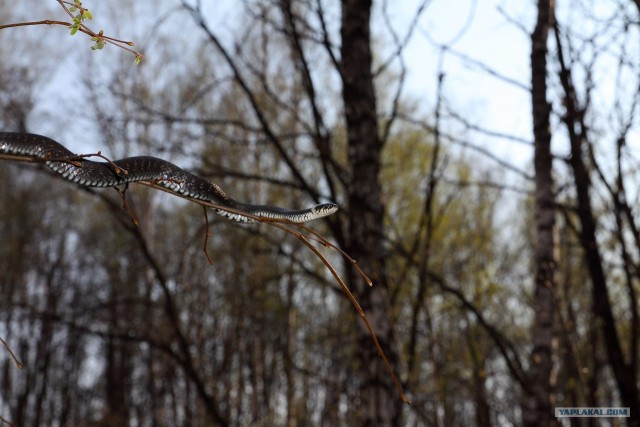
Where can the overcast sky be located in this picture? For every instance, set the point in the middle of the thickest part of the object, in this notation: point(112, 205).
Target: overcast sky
point(482, 30)
point(491, 32)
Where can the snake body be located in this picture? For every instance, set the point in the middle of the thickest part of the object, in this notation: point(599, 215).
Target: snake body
point(160, 172)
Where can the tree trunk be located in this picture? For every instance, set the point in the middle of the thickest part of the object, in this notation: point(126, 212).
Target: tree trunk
point(380, 401)
point(538, 405)
point(601, 303)
point(602, 310)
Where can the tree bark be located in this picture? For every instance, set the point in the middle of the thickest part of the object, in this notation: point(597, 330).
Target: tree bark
point(602, 309)
point(538, 405)
point(379, 400)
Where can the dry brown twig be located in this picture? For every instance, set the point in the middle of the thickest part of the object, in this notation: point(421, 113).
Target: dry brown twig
point(295, 229)
point(77, 24)
point(12, 354)
point(7, 422)
point(289, 227)
point(207, 234)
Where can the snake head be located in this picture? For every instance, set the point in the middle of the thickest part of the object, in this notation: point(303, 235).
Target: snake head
point(324, 209)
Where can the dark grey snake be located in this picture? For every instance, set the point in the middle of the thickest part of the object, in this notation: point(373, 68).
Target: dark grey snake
point(150, 169)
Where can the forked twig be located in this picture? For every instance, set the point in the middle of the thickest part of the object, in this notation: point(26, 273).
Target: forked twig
point(125, 205)
point(327, 244)
point(117, 169)
point(74, 161)
point(284, 225)
point(352, 299)
point(98, 37)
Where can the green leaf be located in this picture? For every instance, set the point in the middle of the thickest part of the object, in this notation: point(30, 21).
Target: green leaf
point(138, 59)
point(99, 43)
point(74, 29)
point(87, 15)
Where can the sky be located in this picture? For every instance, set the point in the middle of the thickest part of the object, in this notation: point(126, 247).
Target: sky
point(477, 26)
point(497, 33)
point(483, 31)
point(490, 32)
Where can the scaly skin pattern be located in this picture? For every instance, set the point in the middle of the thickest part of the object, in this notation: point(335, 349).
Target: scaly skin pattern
point(160, 172)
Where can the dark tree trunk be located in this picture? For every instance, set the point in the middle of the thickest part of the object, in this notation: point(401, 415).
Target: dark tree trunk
point(623, 373)
point(599, 293)
point(380, 401)
point(538, 405)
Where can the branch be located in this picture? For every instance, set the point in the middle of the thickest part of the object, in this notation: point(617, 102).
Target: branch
point(12, 354)
point(7, 422)
point(285, 225)
point(257, 110)
point(470, 145)
point(481, 65)
point(504, 346)
point(321, 135)
point(78, 25)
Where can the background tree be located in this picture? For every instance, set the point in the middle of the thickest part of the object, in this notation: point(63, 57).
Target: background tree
point(293, 102)
point(539, 409)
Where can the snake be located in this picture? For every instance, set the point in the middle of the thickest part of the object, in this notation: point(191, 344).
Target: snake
point(80, 170)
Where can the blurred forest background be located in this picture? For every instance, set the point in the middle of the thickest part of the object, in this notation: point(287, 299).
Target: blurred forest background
point(505, 285)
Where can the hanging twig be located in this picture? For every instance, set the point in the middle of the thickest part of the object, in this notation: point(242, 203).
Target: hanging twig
point(207, 234)
point(292, 228)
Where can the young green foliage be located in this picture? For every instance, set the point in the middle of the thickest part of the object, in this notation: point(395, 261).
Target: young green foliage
point(79, 15)
point(82, 15)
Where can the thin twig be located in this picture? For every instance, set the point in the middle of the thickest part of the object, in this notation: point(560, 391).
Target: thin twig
point(324, 242)
point(5, 421)
point(125, 205)
point(286, 226)
point(118, 43)
point(74, 161)
point(207, 234)
point(117, 169)
point(122, 44)
point(353, 301)
point(12, 354)
point(43, 22)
